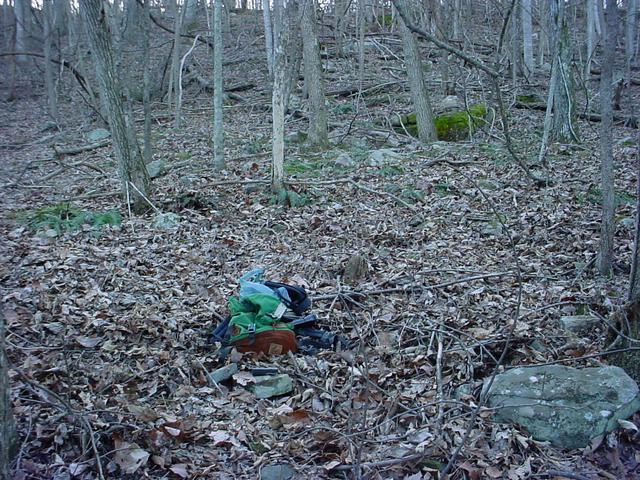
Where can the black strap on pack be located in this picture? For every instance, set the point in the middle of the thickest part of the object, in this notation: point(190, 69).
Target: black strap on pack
point(299, 302)
point(310, 340)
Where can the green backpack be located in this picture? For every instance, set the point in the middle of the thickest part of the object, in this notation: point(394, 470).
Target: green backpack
point(255, 314)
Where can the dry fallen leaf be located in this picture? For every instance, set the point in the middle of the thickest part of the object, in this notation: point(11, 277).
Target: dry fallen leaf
point(88, 342)
point(130, 457)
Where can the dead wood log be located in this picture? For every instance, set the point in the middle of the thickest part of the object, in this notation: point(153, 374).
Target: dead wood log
point(631, 122)
point(61, 152)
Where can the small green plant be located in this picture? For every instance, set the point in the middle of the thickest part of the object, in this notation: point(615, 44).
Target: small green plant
point(413, 194)
point(531, 98)
point(385, 20)
point(344, 108)
point(184, 156)
point(297, 167)
point(255, 146)
point(289, 199)
point(64, 217)
point(444, 189)
point(594, 195)
point(391, 170)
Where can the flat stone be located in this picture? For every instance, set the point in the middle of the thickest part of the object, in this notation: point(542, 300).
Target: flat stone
point(565, 406)
point(155, 168)
point(166, 221)
point(451, 102)
point(98, 134)
point(277, 472)
point(377, 158)
point(224, 373)
point(578, 323)
point(345, 160)
point(295, 137)
point(272, 386)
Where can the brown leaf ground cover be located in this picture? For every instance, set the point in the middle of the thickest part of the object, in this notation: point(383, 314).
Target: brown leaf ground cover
point(107, 329)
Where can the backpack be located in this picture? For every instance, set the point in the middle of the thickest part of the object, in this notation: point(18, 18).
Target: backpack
point(270, 318)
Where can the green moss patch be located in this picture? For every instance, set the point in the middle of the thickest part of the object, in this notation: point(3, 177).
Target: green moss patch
point(450, 127)
point(456, 126)
point(529, 99)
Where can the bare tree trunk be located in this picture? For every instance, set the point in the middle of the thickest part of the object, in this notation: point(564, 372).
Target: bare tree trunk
point(22, 16)
point(605, 259)
point(317, 133)
point(630, 37)
point(634, 278)
point(591, 36)
point(339, 19)
point(175, 59)
point(527, 36)
point(146, 82)
point(268, 34)
point(8, 434)
point(131, 167)
point(9, 24)
point(218, 92)
point(516, 43)
point(563, 125)
point(419, 93)
point(292, 46)
point(278, 97)
point(48, 23)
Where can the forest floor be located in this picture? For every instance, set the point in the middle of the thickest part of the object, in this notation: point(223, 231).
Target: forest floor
point(108, 328)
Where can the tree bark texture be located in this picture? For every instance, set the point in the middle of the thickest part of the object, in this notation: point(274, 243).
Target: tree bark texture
point(146, 82)
point(22, 15)
point(8, 435)
point(417, 86)
point(527, 36)
point(607, 228)
point(48, 23)
point(131, 167)
point(317, 134)
point(218, 92)
point(278, 97)
point(563, 125)
point(268, 34)
point(634, 279)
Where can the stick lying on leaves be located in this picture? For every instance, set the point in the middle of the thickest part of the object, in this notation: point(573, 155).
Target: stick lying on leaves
point(413, 287)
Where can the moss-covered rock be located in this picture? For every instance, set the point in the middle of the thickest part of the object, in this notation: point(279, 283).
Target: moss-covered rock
point(459, 125)
point(450, 127)
point(532, 98)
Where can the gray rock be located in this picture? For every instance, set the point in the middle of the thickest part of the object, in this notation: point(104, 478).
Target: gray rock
point(277, 472)
point(450, 102)
point(578, 323)
point(224, 373)
point(377, 158)
point(166, 221)
point(565, 406)
point(98, 134)
point(295, 137)
point(345, 160)
point(155, 168)
point(272, 386)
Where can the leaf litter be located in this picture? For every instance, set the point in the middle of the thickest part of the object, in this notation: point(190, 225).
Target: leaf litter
point(115, 325)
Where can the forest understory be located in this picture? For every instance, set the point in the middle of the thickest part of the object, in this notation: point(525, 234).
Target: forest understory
point(107, 326)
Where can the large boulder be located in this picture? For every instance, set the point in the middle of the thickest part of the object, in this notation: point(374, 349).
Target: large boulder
point(565, 406)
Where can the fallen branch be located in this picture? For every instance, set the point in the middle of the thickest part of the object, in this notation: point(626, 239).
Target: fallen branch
point(321, 182)
point(64, 406)
point(61, 152)
point(79, 77)
point(592, 117)
point(413, 287)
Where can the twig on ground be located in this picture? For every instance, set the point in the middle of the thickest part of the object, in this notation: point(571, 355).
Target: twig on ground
point(412, 287)
point(64, 406)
